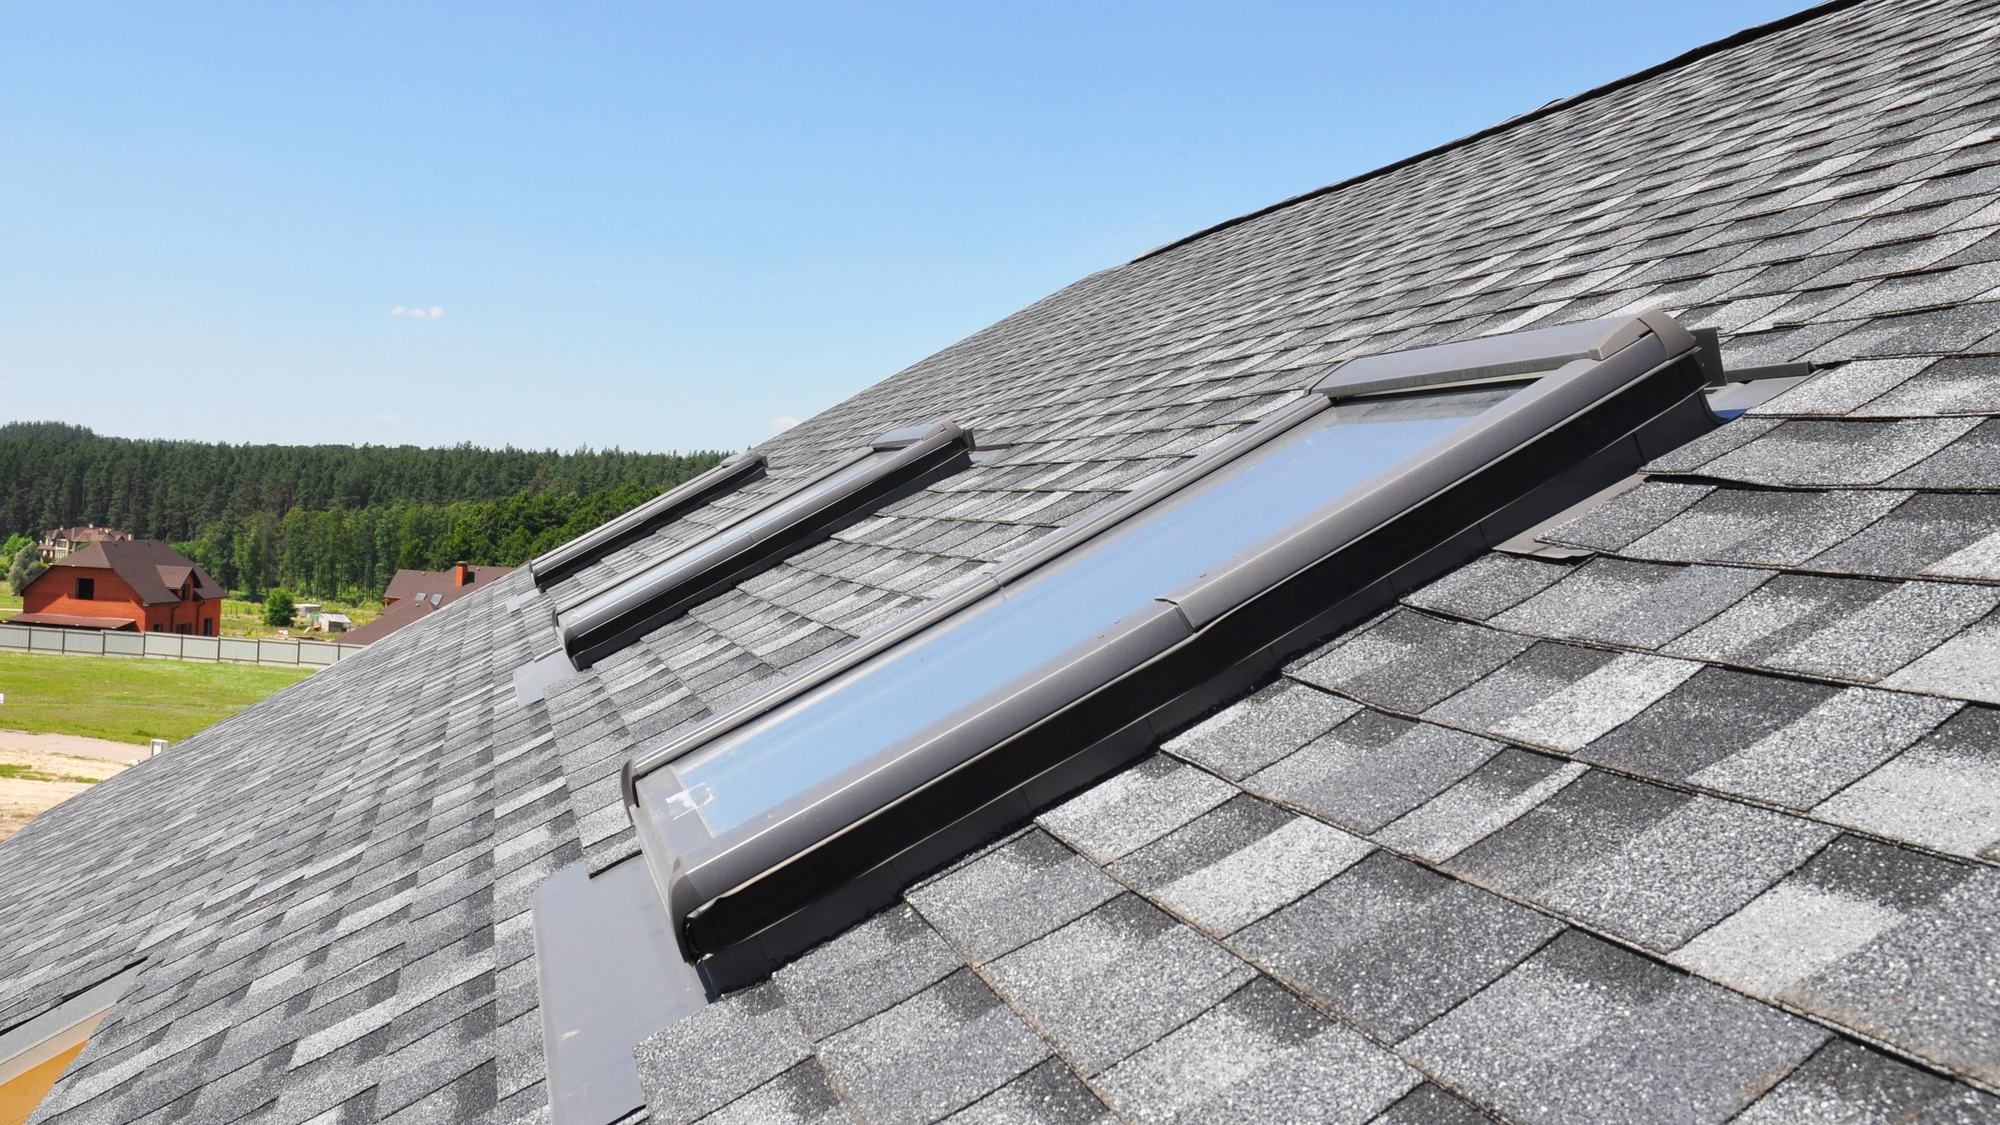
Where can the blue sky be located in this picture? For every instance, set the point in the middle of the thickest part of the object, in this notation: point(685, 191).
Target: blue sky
point(665, 226)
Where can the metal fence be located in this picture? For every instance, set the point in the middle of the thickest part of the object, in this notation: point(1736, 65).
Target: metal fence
point(174, 646)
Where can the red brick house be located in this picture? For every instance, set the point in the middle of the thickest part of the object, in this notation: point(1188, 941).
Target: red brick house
point(139, 584)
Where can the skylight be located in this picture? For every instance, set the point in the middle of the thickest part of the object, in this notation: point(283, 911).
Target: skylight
point(647, 518)
point(1103, 591)
point(895, 465)
point(779, 823)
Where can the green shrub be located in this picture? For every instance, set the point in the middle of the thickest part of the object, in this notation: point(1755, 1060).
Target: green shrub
point(26, 567)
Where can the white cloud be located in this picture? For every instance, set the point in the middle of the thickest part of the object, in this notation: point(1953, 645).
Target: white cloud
point(436, 312)
point(431, 313)
point(784, 422)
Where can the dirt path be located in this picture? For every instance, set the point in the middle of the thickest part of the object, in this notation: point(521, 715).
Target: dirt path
point(74, 745)
point(34, 781)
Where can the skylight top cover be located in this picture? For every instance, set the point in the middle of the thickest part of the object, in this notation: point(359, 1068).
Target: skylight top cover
point(1392, 466)
point(897, 464)
point(732, 474)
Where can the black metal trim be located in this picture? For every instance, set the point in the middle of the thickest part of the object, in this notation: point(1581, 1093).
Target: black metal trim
point(732, 474)
point(911, 468)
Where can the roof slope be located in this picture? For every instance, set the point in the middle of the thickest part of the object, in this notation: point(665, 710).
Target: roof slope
point(1697, 823)
point(409, 583)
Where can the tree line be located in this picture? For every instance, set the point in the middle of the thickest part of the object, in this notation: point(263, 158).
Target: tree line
point(351, 553)
point(325, 520)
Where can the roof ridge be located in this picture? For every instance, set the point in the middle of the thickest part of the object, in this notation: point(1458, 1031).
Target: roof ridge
point(1685, 58)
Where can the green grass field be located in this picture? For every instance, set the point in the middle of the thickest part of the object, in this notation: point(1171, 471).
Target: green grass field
point(128, 700)
point(246, 619)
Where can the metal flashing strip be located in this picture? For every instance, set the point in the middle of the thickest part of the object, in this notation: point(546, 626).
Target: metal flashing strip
point(733, 473)
point(1529, 543)
point(48, 1036)
point(533, 679)
point(608, 978)
point(1761, 386)
point(778, 823)
point(895, 465)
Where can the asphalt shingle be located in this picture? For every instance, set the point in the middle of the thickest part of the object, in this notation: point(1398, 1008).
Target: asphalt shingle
point(1808, 453)
point(1490, 798)
point(1012, 895)
point(1115, 980)
point(937, 1052)
point(1584, 1031)
point(875, 966)
point(1409, 661)
point(1244, 738)
point(1651, 865)
point(1844, 1081)
point(1488, 585)
point(1392, 946)
point(1372, 769)
point(1942, 793)
point(342, 931)
point(1135, 808)
point(1820, 752)
point(719, 1054)
point(1238, 863)
point(1259, 1056)
point(1634, 604)
point(1047, 1095)
point(1919, 534)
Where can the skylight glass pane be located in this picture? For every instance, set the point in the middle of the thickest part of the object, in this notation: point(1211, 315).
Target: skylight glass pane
point(1030, 625)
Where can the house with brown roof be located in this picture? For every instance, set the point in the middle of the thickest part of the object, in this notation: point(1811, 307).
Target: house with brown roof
point(413, 595)
point(59, 542)
point(134, 584)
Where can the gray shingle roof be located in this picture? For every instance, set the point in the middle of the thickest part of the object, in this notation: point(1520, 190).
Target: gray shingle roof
point(1702, 823)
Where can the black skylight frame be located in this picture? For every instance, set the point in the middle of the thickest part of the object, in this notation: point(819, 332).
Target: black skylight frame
point(1607, 396)
point(733, 473)
point(894, 465)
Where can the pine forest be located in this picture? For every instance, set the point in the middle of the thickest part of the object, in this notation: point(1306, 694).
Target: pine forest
point(324, 520)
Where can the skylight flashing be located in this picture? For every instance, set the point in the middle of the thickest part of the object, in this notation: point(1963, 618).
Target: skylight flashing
point(745, 894)
point(895, 465)
point(732, 474)
point(35, 1052)
point(1533, 353)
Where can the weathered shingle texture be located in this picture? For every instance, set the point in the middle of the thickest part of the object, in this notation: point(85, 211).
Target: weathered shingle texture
point(1699, 825)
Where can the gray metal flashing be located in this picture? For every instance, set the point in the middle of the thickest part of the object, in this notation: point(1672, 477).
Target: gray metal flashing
point(532, 680)
point(608, 979)
point(1740, 395)
point(896, 464)
point(733, 473)
point(1513, 355)
point(37, 1040)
